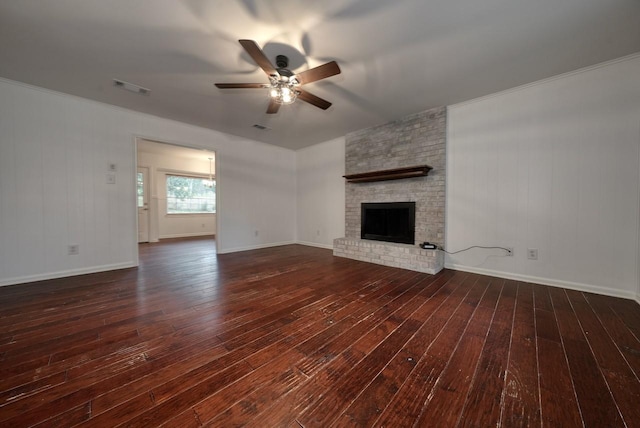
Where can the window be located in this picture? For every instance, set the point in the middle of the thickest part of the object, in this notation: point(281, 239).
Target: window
point(140, 187)
point(190, 195)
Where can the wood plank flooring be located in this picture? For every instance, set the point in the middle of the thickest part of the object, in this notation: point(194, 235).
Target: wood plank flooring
point(293, 337)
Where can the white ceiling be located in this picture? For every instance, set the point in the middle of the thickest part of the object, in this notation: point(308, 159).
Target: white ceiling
point(397, 57)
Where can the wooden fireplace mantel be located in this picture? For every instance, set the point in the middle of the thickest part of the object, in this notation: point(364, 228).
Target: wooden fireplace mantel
point(389, 174)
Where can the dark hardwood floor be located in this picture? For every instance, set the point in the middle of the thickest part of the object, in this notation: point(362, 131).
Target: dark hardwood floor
point(291, 336)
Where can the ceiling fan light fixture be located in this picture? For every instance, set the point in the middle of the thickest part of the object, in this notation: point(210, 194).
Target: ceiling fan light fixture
point(283, 90)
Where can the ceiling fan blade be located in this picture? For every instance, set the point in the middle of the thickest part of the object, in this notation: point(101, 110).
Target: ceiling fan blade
point(312, 99)
point(273, 107)
point(318, 73)
point(258, 56)
point(241, 85)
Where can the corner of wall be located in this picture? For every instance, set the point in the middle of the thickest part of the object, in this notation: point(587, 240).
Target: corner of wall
point(320, 193)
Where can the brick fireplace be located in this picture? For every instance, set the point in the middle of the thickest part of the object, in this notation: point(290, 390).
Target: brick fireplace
point(415, 140)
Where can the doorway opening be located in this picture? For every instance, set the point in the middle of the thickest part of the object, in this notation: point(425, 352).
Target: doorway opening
point(176, 192)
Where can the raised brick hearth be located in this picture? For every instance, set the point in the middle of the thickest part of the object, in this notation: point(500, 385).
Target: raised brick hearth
point(404, 256)
point(418, 139)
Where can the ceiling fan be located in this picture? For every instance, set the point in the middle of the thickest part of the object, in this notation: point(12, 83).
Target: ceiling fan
point(284, 86)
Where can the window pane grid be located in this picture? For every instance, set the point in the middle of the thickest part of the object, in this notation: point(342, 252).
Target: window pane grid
point(190, 195)
point(140, 190)
point(193, 205)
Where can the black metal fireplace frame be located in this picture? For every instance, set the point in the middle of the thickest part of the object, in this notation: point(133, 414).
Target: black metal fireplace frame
point(408, 237)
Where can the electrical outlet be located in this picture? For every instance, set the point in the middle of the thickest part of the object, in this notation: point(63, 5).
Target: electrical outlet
point(73, 249)
point(318, 232)
point(509, 251)
point(256, 233)
point(532, 253)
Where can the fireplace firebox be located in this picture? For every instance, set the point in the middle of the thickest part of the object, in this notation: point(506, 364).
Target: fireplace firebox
point(389, 221)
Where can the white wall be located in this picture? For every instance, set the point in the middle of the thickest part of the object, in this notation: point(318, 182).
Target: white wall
point(554, 166)
point(54, 154)
point(320, 193)
point(174, 225)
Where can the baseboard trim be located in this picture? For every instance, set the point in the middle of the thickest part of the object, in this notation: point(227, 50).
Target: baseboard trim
point(186, 235)
point(315, 244)
point(547, 281)
point(65, 273)
point(254, 247)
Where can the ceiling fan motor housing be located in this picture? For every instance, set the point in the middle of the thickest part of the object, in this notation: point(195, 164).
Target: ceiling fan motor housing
point(282, 61)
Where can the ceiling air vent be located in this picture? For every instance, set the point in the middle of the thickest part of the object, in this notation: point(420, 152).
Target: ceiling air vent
point(131, 87)
point(261, 127)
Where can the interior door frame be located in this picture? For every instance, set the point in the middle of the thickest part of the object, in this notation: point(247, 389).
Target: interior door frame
point(147, 197)
point(138, 137)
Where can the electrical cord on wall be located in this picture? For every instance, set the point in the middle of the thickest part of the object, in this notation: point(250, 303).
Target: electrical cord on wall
point(474, 246)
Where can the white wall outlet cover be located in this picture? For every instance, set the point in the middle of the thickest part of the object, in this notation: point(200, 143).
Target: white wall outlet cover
point(112, 167)
point(111, 178)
